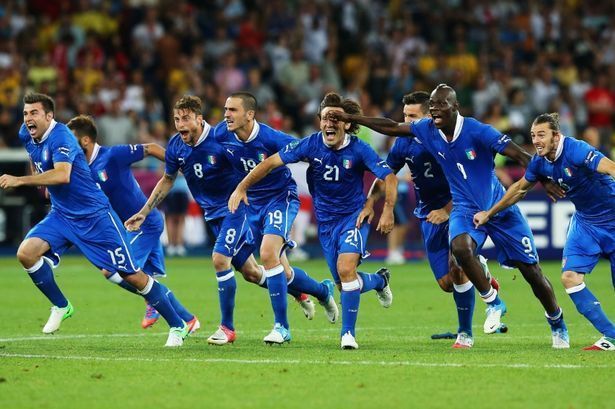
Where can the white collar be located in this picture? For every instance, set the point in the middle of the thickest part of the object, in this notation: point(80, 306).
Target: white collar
point(206, 128)
point(94, 153)
point(558, 151)
point(52, 124)
point(253, 134)
point(457, 132)
point(346, 141)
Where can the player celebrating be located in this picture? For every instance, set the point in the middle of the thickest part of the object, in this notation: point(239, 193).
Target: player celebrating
point(110, 167)
point(80, 215)
point(587, 177)
point(210, 177)
point(337, 161)
point(464, 148)
point(433, 209)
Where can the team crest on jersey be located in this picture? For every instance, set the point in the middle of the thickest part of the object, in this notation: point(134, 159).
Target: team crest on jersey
point(568, 172)
point(211, 159)
point(347, 163)
point(102, 175)
point(262, 156)
point(471, 154)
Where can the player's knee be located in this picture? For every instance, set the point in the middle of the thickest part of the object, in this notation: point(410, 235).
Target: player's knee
point(446, 284)
point(571, 279)
point(347, 272)
point(251, 274)
point(221, 262)
point(27, 255)
point(462, 252)
point(270, 256)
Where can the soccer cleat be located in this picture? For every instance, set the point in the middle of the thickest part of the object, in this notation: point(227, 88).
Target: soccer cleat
point(307, 306)
point(193, 325)
point(278, 335)
point(385, 296)
point(222, 336)
point(464, 341)
point(329, 304)
point(348, 341)
point(150, 317)
point(395, 258)
point(494, 283)
point(56, 317)
point(177, 336)
point(494, 314)
point(603, 344)
point(561, 339)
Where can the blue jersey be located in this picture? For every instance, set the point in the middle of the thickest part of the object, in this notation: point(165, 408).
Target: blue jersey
point(574, 169)
point(335, 177)
point(244, 156)
point(467, 161)
point(81, 197)
point(208, 173)
point(110, 168)
point(430, 185)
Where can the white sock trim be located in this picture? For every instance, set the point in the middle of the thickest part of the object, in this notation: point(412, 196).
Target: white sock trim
point(490, 296)
point(148, 286)
point(351, 285)
point(35, 267)
point(559, 314)
point(575, 289)
point(263, 277)
point(279, 269)
point(462, 288)
point(292, 276)
point(115, 278)
point(226, 277)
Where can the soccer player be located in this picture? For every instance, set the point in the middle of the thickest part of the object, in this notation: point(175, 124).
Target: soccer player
point(80, 215)
point(211, 179)
point(433, 210)
point(587, 176)
point(464, 148)
point(273, 208)
point(110, 167)
point(338, 160)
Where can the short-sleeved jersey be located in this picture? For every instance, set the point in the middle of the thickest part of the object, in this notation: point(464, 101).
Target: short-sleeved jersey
point(430, 185)
point(335, 177)
point(574, 169)
point(110, 166)
point(246, 155)
point(467, 161)
point(81, 197)
point(209, 175)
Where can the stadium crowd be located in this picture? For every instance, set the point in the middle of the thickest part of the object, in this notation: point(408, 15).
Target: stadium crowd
point(126, 62)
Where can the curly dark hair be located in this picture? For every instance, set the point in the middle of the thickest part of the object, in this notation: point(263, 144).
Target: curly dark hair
point(348, 105)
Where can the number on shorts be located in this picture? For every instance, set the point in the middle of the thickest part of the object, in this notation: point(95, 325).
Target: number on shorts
point(527, 243)
point(117, 258)
point(275, 217)
point(352, 236)
point(230, 236)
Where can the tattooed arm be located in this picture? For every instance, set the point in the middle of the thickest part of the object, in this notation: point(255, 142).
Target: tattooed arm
point(160, 192)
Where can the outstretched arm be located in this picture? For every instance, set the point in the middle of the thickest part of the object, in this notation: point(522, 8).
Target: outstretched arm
point(514, 193)
point(160, 192)
point(384, 126)
point(59, 175)
point(606, 166)
point(155, 150)
point(256, 175)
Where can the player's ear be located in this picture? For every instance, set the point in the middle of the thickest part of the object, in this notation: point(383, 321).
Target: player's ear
point(347, 125)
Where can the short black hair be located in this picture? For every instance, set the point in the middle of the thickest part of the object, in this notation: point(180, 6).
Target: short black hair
point(348, 105)
point(247, 100)
point(48, 103)
point(417, 97)
point(83, 125)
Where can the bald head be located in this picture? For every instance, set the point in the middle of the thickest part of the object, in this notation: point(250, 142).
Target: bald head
point(443, 107)
point(447, 92)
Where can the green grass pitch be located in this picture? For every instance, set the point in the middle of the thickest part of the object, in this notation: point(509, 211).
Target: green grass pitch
point(102, 358)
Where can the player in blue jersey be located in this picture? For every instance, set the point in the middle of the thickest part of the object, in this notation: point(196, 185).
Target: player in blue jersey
point(464, 148)
point(110, 167)
point(338, 160)
point(273, 208)
point(211, 179)
point(80, 215)
point(587, 176)
point(433, 209)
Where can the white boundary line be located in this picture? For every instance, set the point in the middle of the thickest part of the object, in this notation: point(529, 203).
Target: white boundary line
point(305, 362)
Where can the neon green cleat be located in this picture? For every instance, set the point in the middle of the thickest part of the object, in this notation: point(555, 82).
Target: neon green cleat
point(56, 317)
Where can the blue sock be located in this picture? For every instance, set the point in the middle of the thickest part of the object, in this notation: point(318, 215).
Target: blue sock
point(156, 295)
point(42, 277)
point(115, 278)
point(371, 282)
point(227, 286)
point(557, 320)
point(588, 305)
point(303, 283)
point(183, 313)
point(463, 294)
point(278, 288)
point(292, 292)
point(351, 296)
point(489, 297)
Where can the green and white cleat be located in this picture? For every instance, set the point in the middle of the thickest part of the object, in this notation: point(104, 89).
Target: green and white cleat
point(56, 317)
point(385, 296)
point(329, 304)
point(177, 336)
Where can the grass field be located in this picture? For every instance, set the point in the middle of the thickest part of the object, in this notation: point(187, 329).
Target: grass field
point(102, 358)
